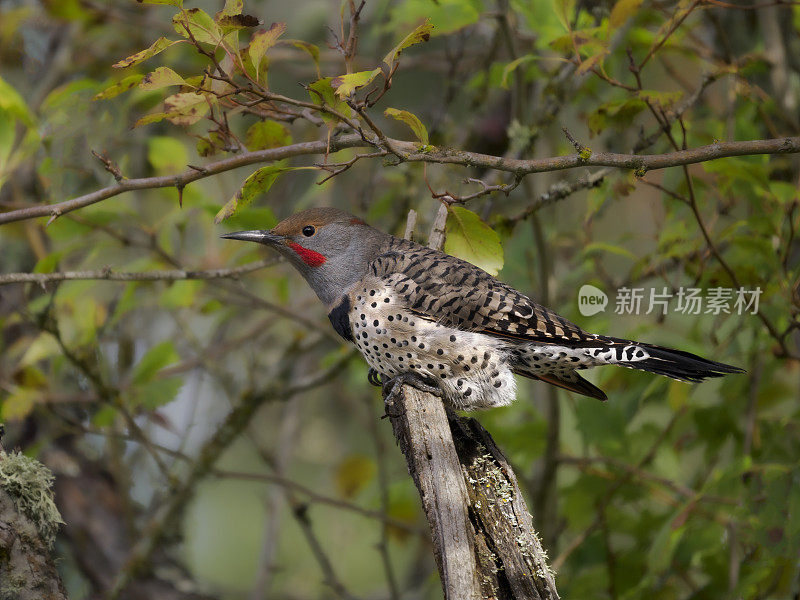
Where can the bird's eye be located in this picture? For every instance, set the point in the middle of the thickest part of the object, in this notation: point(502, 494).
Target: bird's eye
point(309, 230)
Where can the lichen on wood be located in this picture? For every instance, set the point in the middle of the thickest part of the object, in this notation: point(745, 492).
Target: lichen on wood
point(29, 483)
point(29, 521)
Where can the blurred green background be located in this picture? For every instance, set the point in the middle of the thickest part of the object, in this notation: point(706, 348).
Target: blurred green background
point(666, 491)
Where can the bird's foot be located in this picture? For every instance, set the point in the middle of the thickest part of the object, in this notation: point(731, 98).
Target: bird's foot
point(374, 377)
point(391, 389)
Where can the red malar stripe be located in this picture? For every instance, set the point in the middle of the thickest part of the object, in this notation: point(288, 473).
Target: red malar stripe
point(311, 258)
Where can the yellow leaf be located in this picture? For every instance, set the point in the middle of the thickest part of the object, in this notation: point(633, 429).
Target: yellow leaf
point(311, 49)
point(677, 393)
point(44, 346)
point(420, 34)
point(151, 118)
point(589, 63)
point(411, 120)
point(263, 41)
point(347, 84)
point(622, 11)
point(186, 108)
point(470, 239)
point(256, 184)
point(121, 86)
point(159, 45)
point(161, 77)
point(353, 474)
point(20, 403)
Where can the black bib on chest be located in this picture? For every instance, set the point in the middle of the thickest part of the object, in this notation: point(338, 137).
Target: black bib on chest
point(340, 319)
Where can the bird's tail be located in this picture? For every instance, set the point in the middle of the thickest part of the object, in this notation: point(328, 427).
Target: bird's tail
point(677, 364)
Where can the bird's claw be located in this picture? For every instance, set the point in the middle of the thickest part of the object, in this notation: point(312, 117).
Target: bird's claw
point(393, 386)
point(374, 377)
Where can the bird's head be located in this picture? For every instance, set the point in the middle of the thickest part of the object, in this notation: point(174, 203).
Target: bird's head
point(330, 248)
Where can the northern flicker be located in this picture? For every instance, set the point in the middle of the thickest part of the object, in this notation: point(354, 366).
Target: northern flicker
point(416, 312)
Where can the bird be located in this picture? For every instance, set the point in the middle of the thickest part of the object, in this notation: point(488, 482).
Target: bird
point(424, 317)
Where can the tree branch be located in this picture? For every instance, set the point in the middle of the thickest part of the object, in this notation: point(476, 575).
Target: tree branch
point(182, 179)
point(411, 153)
point(483, 539)
point(111, 275)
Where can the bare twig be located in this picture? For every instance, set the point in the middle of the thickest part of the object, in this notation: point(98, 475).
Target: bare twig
point(111, 275)
point(437, 236)
point(109, 166)
point(411, 224)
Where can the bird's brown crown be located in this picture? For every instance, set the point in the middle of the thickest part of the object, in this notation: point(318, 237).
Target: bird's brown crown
point(315, 217)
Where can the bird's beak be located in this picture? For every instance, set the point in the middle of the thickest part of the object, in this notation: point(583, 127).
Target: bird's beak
point(262, 237)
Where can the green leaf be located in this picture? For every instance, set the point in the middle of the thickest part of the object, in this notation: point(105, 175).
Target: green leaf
point(470, 239)
point(588, 41)
point(564, 9)
point(166, 154)
point(161, 77)
point(258, 183)
point(622, 11)
point(512, 66)
point(263, 41)
point(129, 82)
point(8, 126)
point(267, 134)
point(784, 193)
point(151, 118)
point(232, 7)
point(618, 113)
point(420, 34)
point(664, 100)
point(158, 46)
point(210, 145)
point(321, 91)
point(199, 24)
point(105, 416)
point(310, 49)
point(48, 263)
point(597, 247)
point(411, 120)
point(155, 359)
point(157, 393)
point(666, 540)
point(344, 85)
point(181, 293)
point(186, 108)
point(446, 16)
point(252, 217)
point(12, 102)
point(353, 474)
